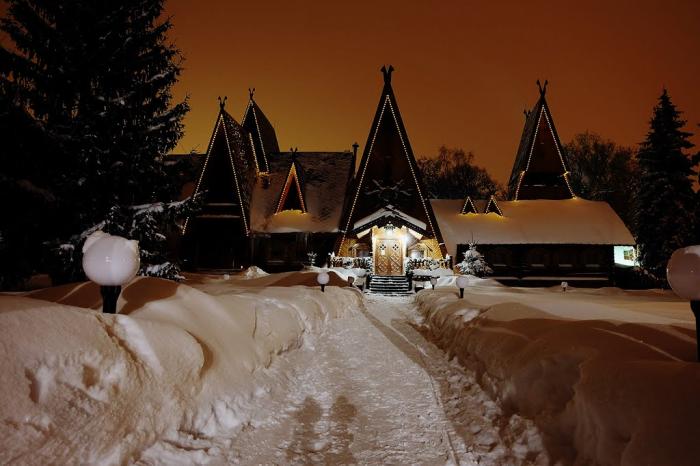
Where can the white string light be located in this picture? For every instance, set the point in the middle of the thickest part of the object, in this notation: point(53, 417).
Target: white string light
point(292, 174)
point(469, 202)
point(387, 99)
point(492, 202)
point(206, 162)
point(543, 110)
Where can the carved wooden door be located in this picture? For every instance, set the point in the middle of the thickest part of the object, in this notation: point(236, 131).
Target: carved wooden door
point(388, 258)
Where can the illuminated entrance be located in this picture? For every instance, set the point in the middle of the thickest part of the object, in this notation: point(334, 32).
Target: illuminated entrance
point(389, 250)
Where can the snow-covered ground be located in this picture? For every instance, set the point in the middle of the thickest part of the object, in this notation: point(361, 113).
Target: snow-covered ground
point(171, 379)
point(608, 376)
point(266, 369)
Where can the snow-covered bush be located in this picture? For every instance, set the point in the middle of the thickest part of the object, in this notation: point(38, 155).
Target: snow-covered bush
point(146, 223)
point(474, 263)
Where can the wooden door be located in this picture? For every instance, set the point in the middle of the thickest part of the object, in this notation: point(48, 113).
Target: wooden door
point(388, 258)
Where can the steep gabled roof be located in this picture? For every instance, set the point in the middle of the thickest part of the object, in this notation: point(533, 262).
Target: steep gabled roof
point(540, 170)
point(388, 173)
point(468, 207)
point(261, 134)
point(324, 177)
point(492, 207)
point(226, 175)
point(292, 194)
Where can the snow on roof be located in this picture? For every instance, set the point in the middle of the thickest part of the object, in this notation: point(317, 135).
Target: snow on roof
point(388, 211)
point(541, 221)
point(326, 176)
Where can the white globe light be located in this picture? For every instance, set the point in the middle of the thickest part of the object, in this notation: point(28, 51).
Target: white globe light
point(683, 272)
point(462, 281)
point(110, 260)
point(433, 281)
point(323, 278)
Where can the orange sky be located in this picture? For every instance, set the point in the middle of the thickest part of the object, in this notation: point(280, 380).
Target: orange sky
point(465, 70)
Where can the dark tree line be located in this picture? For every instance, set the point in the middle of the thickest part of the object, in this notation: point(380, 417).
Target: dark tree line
point(601, 170)
point(650, 187)
point(453, 175)
point(88, 112)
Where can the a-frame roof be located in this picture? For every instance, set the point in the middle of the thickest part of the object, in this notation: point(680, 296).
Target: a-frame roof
point(540, 170)
point(468, 207)
point(261, 134)
point(227, 175)
point(292, 193)
point(492, 207)
point(388, 173)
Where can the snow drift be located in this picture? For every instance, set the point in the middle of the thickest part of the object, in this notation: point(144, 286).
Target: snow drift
point(169, 379)
point(606, 380)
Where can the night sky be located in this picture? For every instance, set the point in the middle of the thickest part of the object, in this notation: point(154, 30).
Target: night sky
point(464, 70)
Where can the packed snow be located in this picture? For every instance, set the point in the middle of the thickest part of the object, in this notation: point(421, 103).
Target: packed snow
point(172, 377)
point(608, 376)
point(257, 368)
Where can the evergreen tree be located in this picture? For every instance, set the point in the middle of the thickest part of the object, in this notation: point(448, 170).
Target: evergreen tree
point(474, 263)
point(664, 213)
point(97, 77)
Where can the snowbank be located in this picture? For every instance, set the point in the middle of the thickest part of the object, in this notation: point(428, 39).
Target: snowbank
point(606, 379)
point(173, 376)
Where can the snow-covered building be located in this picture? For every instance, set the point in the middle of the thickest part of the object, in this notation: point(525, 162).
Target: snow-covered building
point(387, 215)
point(544, 232)
point(272, 208)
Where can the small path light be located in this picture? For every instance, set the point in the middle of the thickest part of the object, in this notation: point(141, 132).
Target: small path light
point(433, 281)
point(351, 280)
point(462, 282)
point(564, 286)
point(361, 276)
point(110, 261)
point(683, 272)
point(322, 278)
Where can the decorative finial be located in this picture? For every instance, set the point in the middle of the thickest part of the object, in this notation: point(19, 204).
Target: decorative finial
point(251, 93)
point(526, 112)
point(222, 103)
point(387, 73)
point(543, 89)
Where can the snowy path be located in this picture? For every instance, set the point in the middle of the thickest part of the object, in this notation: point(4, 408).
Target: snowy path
point(373, 390)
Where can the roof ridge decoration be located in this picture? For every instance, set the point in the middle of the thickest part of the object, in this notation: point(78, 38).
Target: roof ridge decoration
point(388, 100)
point(468, 207)
point(492, 207)
point(221, 121)
point(537, 119)
point(293, 176)
point(261, 133)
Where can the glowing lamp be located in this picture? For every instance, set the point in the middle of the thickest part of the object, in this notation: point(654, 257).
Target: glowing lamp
point(110, 261)
point(323, 278)
point(683, 272)
point(462, 281)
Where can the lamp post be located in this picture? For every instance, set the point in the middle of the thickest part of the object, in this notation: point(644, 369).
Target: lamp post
point(322, 278)
point(110, 261)
point(683, 272)
point(433, 281)
point(462, 282)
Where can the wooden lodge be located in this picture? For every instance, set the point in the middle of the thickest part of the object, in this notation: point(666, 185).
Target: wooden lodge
point(272, 209)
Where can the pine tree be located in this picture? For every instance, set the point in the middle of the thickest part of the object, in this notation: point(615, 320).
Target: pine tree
point(97, 77)
point(474, 263)
point(665, 206)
